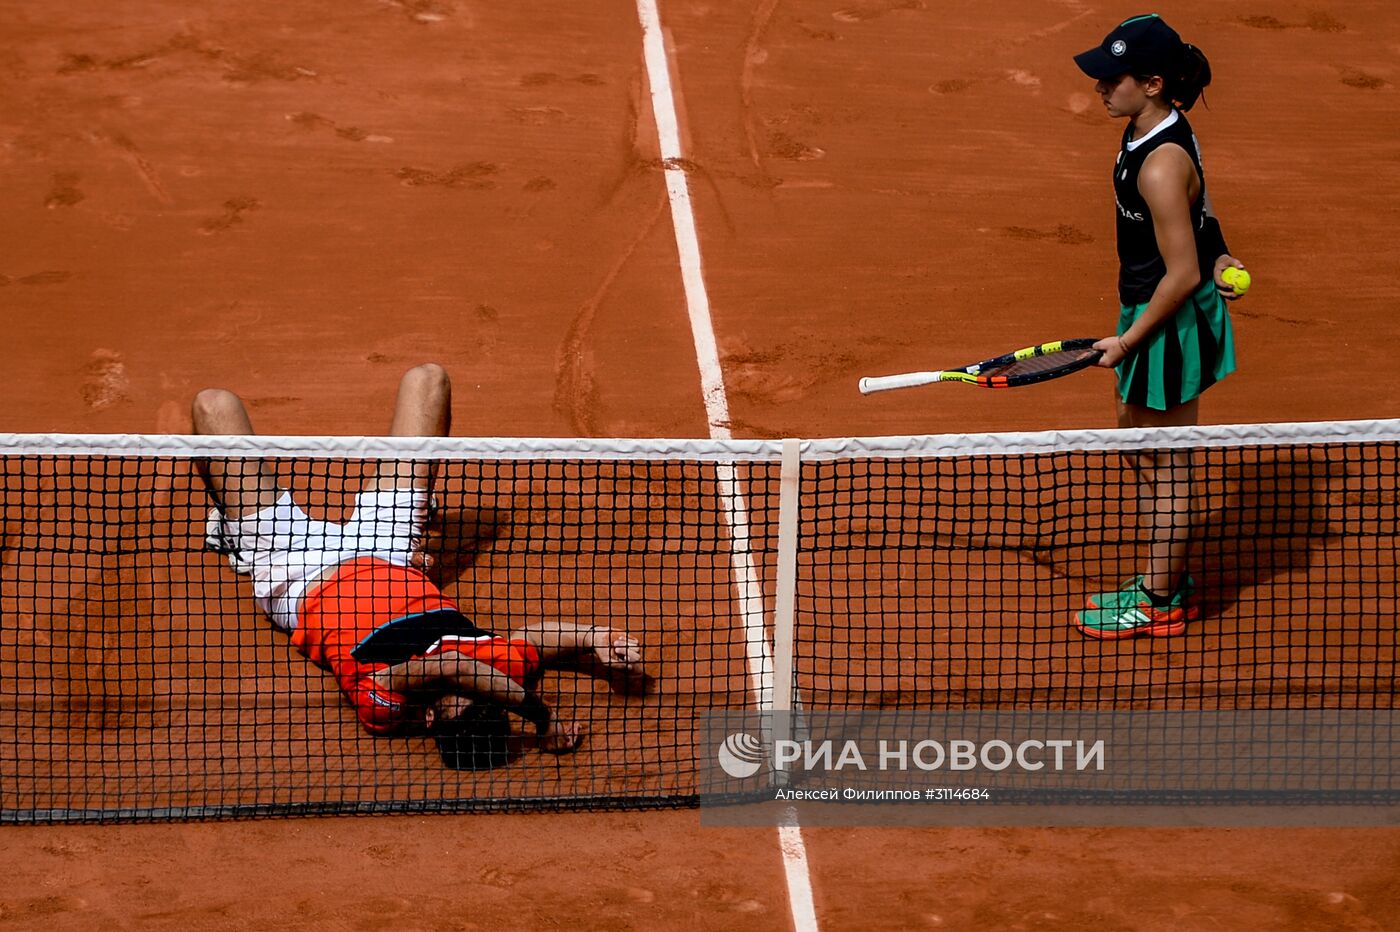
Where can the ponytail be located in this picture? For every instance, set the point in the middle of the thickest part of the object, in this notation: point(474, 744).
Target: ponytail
point(1190, 80)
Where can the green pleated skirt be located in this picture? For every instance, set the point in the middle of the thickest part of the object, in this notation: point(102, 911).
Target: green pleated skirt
point(1189, 353)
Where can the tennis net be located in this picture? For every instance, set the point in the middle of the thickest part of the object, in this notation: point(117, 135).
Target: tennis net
point(139, 681)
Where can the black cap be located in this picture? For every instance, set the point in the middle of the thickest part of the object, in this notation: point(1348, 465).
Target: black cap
point(1143, 45)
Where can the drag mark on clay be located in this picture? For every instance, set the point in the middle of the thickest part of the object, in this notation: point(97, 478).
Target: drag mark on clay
point(867, 11)
point(494, 877)
point(1058, 27)
point(422, 11)
point(64, 192)
point(786, 128)
point(133, 157)
point(951, 86)
point(69, 850)
point(708, 177)
point(189, 917)
point(234, 209)
point(632, 148)
point(1237, 311)
point(475, 175)
point(48, 277)
point(273, 401)
point(754, 55)
point(696, 170)
point(310, 121)
point(1317, 21)
point(812, 32)
point(39, 909)
point(238, 68)
point(575, 390)
point(760, 382)
point(538, 186)
point(262, 66)
point(1063, 234)
point(105, 381)
point(548, 78)
point(80, 62)
point(1023, 78)
point(782, 374)
point(1362, 80)
point(1017, 76)
point(97, 709)
point(538, 116)
point(783, 146)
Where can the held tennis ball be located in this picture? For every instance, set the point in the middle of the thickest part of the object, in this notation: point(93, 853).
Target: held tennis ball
point(1236, 278)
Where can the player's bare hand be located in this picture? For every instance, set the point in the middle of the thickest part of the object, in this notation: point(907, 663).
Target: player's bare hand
point(616, 650)
point(1113, 351)
point(1228, 290)
point(619, 659)
point(561, 737)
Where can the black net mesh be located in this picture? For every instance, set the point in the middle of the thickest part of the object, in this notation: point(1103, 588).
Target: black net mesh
point(139, 679)
point(955, 582)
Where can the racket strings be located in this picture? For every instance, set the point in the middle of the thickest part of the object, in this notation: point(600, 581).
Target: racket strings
point(1039, 365)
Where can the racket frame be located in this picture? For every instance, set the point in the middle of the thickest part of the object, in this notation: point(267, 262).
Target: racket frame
point(972, 374)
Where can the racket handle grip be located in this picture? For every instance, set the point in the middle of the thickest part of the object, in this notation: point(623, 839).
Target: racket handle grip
point(883, 383)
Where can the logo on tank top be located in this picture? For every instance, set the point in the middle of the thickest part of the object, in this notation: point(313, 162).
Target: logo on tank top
point(1127, 214)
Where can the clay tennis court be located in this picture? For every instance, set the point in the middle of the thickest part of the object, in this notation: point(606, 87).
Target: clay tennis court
point(299, 201)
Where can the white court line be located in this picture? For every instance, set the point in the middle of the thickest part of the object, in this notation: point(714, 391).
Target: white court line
point(760, 656)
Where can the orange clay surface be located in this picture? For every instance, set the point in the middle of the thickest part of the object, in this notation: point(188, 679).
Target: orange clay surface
point(298, 200)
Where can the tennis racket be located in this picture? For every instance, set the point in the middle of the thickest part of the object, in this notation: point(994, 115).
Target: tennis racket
point(1023, 367)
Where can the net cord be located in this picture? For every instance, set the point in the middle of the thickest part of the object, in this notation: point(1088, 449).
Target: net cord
point(718, 451)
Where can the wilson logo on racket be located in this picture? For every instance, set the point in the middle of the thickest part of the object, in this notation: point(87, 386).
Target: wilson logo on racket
point(740, 755)
point(1023, 367)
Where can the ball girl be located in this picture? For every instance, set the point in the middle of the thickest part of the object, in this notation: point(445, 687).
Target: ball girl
point(1174, 338)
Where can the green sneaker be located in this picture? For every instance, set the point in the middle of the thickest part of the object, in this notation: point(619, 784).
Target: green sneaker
point(1129, 613)
point(1132, 593)
point(1112, 624)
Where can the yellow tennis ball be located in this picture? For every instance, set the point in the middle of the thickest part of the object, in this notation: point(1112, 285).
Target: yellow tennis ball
point(1236, 278)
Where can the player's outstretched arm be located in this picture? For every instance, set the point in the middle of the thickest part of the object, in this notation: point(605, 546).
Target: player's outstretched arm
point(562, 640)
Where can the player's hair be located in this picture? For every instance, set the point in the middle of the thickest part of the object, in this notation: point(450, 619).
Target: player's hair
point(1188, 79)
point(478, 739)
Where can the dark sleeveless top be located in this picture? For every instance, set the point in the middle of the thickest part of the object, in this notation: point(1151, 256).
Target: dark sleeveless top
point(1141, 266)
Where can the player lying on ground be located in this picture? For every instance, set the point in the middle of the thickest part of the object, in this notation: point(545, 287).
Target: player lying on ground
point(354, 602)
